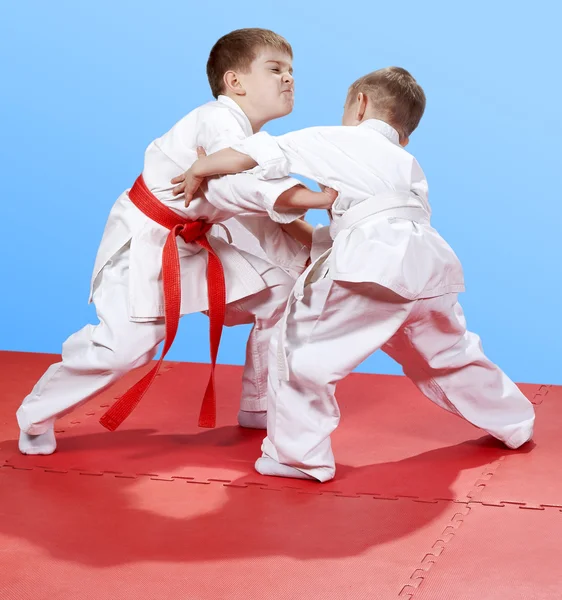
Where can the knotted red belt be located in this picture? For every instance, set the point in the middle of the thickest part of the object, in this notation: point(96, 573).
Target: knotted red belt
point(189, 231)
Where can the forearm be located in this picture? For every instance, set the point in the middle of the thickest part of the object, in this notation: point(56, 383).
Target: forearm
point(301, 198)
point(223, 162)
point(244, 194)
point(300, 230)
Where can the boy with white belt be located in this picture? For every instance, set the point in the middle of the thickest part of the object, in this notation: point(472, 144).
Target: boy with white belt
point(389, 282)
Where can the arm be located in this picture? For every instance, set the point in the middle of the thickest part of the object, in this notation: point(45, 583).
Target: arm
point(300, 197)
point(300, 230)
point(223, 162)
point(312, 153)
point(243, 194)
point(229, 161)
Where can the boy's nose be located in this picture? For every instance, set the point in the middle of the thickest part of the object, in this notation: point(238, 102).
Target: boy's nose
point(288, 78)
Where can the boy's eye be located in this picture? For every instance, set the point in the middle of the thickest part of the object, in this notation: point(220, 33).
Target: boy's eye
point(275, 70)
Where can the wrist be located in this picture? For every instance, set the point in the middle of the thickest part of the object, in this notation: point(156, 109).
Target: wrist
point(198, 168)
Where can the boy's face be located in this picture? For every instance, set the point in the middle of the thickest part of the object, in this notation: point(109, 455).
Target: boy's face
point(269, 84)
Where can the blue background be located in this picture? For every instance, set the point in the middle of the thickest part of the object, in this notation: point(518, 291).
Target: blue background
point(86, 87)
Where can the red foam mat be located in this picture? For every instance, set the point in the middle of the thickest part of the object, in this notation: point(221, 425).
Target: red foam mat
point(391, 442)
point(495, 553)
point(423, 505)
point(104, 537)
point(19, 371)
point(533, 478)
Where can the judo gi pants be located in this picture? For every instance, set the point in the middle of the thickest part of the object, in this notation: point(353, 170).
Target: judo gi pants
point(337, 325)
point(98, 355)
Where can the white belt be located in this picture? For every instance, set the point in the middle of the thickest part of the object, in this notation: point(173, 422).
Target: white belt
point(403, 206)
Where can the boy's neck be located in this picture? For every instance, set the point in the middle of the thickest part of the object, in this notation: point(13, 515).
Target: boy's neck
point(256, 121)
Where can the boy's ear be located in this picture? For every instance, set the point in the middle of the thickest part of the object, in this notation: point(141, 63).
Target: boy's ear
point(233, 84)
point(361, 106)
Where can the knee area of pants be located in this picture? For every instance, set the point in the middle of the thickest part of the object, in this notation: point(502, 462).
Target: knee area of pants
point(311, 373)
point(125, 359)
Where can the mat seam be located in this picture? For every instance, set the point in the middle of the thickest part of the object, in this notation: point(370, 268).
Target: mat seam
point(416, 579)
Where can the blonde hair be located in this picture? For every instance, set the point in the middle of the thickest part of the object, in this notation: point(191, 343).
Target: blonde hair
point(236, 51)
point(397, 98)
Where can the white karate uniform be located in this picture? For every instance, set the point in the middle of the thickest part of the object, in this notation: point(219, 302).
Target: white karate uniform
point(260, 266)
point(389, 281)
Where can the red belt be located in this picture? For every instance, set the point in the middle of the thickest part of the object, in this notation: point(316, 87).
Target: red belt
point(189, 231)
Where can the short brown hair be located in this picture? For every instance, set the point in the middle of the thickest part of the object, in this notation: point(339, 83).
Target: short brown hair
point(237, 50)
point(396, 96)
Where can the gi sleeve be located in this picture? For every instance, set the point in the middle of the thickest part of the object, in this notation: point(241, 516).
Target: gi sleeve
point(243, 194)
point(307, 152)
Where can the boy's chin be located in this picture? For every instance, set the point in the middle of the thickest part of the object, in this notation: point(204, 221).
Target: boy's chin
point(281, 111)
point(284, 111)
